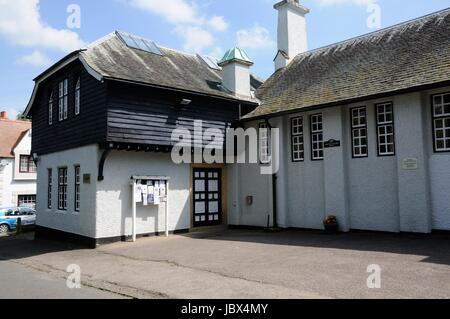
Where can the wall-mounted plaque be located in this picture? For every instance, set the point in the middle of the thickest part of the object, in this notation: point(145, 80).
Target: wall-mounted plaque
point(86, 178)
point(410, 164)
point(332, 143)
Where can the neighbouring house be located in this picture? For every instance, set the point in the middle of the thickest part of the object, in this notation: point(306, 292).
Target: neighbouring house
point(364, 133)
point(17, 168)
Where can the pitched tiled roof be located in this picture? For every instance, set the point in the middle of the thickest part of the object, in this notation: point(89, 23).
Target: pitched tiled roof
point(112, 58)
point(11, 132)
point(408, 55)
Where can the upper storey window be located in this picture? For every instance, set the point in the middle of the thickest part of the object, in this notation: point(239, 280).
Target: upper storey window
point(63, 99)
point(77, 97)
point(50, 109)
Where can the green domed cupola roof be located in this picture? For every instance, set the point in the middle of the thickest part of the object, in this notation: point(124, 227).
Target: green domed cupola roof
point(235, 55)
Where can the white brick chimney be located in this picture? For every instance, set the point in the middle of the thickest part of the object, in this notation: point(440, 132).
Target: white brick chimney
point(236, 72)
point(292, 35)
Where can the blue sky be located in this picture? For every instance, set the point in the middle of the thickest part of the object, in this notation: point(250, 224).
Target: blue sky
point(34, 33)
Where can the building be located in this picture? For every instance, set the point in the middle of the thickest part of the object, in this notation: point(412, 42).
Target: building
point(364, 133)
point(17, 168)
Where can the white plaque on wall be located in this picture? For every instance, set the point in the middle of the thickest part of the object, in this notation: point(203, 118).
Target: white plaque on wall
point(410, 164)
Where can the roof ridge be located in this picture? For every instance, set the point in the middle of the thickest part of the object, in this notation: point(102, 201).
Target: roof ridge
point(178, 51)
point(100, 40)
point(366, 35)
point(15, 121)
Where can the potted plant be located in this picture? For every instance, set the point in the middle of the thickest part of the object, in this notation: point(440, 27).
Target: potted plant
point(331, 224)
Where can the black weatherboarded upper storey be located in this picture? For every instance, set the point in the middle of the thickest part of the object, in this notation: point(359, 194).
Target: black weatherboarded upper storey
point(147, 116)
point(89, 127)
point(405, 57)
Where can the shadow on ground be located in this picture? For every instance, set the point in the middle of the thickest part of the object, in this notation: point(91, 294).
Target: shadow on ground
point(24, 246)
point(435, 248)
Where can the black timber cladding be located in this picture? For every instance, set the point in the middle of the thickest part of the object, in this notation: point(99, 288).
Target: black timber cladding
point(147, 116)
point(89, 127)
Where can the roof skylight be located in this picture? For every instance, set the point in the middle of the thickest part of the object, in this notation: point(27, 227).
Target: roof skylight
point(139, 43)
point(212, 62)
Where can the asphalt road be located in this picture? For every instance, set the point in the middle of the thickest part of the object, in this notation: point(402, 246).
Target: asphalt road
point(233, 264)
point(21, 282)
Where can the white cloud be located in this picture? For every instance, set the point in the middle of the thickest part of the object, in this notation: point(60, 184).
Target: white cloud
point(174, 11)
point(254, 38)
point(218, 23)
point(188, 20)
point(349, 2)
point(216, 52)
point(21, 24)
point(196, 38)
point(36, 58)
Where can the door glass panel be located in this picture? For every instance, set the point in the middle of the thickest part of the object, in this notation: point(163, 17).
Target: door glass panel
point(213, 207)
point(213, 186)
point(199, 186)
point(200, 208)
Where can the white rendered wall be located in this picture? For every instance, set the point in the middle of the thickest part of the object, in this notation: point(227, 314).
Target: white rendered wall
point(12, 182)
point(305, 182)
point(12, 188)
point(82, 222)
point(373, 193)
point(23, 148)
point(292, 34)
point(236, 78)
point(439, 170)
point(413, 185)
point(114, 214)
point(246, 180)
point(372, 181)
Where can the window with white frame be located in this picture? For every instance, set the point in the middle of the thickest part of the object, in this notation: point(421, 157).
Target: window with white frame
point(264, 143)
point(359, 132)
point(49, 188)
point(298, 142)
point(28, 201)
point(50, 109)
point(385, 129)
point(62, 188)
point(63, 99)
point(77, 188)
point(77, 97)
point(317, 144)
point(441, 119)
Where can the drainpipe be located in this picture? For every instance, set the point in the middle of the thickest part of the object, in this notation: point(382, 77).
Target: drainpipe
point(274, 188)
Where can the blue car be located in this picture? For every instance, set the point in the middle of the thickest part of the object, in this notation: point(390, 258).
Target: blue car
point(7, 224)
point(9, 217)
